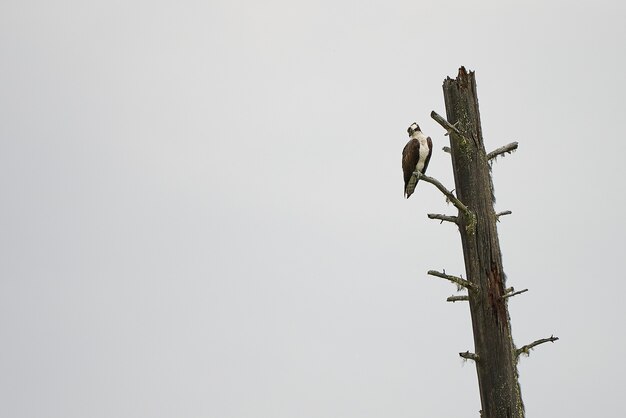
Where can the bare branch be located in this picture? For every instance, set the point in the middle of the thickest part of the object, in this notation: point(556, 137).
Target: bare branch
point(451, 128)
point(453, 125)
point(445, 124)
point(442, 218)
point(509, 148)
point(447, 149)
point(506, 212)
point(457, 298)
point(454, 279)
point(470, 356)
point(509, 290)
point(526, 349)
point(451, 197)
point(508, 295)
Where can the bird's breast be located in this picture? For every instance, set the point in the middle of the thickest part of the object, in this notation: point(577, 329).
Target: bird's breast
point(423, 154)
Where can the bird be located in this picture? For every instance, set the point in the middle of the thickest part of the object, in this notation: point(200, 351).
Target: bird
point(415, 157)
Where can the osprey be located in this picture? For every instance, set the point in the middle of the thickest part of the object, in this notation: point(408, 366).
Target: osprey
point(415, 157)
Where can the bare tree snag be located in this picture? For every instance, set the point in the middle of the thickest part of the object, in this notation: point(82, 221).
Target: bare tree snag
point(500, 392)
point(495, 354)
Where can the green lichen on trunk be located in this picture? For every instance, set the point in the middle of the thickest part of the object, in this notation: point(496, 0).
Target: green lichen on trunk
point(470, 223)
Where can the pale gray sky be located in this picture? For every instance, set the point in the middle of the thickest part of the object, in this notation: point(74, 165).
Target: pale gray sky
point(202, 211)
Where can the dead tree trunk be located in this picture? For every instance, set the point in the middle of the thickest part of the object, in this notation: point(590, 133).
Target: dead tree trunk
point(495, 353)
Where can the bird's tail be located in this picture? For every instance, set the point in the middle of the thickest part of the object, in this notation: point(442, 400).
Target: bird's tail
point(410, 186)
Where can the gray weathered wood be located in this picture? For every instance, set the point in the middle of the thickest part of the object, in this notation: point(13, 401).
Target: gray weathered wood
point(496, 365)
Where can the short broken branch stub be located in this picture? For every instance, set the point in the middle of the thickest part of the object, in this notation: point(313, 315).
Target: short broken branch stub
point(459, 281)
point(503, 213)
point(526, 349)
point(457, 298)
point(507, 149)
point(470, 356)
point(445, 124)
point(442, 218)
point(511, 294)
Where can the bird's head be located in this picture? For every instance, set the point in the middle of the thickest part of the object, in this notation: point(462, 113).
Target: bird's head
point(413, 128)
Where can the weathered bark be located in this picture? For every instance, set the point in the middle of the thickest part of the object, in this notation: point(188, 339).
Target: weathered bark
point(496, 365)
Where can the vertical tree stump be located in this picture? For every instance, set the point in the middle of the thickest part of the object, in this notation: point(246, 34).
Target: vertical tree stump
point(496, 357)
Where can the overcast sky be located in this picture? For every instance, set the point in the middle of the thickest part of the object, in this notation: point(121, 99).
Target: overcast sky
point(202, 215)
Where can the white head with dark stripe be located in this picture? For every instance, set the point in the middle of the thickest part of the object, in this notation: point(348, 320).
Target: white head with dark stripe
point(413, 128)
